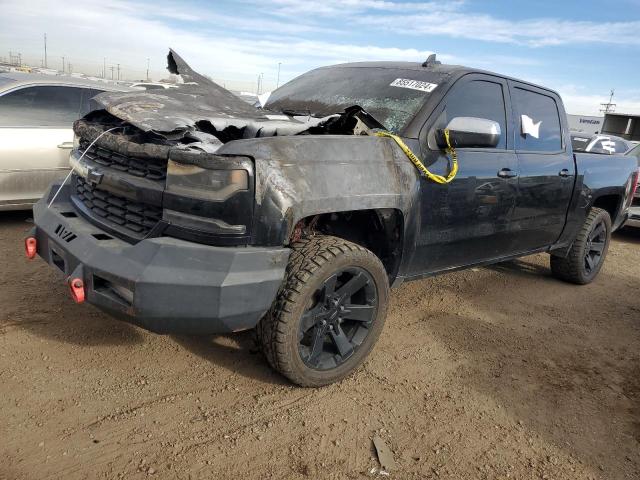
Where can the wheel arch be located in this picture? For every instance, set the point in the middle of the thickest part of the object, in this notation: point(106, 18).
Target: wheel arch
point(380, 230)
point(610, 202)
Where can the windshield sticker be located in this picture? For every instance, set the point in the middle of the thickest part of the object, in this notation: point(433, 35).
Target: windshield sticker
point(529, 127)
point(414, 84)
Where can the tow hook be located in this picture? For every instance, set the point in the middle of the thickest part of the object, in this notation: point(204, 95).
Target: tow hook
point(76, 285)
point(30, 247)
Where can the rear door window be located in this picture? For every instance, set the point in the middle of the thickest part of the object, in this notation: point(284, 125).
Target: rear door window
point(41, 106)
point(621, 147)
point(538, 122)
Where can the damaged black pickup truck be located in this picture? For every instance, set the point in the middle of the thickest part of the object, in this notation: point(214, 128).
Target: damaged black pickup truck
point(191, 211)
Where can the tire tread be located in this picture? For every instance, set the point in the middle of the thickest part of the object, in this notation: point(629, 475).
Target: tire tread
point(308, 255)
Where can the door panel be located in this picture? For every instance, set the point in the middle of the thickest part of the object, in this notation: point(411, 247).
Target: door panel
point(468, 220)
point(546, 167)
point(30, 159)
point(544, 197)
point(36, 137)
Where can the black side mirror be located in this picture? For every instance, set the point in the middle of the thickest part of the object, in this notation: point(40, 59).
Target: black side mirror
point(470, 132)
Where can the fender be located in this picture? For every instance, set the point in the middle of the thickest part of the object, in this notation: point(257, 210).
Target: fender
point(300, 176)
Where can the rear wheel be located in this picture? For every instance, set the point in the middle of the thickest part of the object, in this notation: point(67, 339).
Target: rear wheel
point(587, 254)
point(329, 312)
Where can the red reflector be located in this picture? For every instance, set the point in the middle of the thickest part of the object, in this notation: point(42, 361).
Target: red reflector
point(30, 247)
point(77, 289)
point(636, 182)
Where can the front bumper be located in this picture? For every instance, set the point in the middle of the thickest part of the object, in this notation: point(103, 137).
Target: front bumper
point(162, 284)
point(634, 218)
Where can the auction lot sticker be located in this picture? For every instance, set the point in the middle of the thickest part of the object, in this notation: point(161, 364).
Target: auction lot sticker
point(414, 84)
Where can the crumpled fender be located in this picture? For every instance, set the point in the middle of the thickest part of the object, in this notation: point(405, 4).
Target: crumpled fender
point(301, 176)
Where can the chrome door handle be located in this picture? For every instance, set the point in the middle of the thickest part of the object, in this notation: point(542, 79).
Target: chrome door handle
point(68, 145)
point(564, 173)
point(507, 173)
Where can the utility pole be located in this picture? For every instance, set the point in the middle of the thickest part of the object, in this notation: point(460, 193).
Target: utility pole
point(16, 59)
point(608, 107)
point(148, 60)
point(118, 71)
point(260, 80)
point(278, 80)
point(62, 64)
point(45, 50)
point(104, 67)
point(111, 67)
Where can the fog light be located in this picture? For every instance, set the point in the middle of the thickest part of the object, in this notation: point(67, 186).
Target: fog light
point(77, 289)
point(30, 247)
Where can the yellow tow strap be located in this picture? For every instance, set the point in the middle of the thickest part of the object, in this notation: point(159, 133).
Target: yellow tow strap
point(420, 166)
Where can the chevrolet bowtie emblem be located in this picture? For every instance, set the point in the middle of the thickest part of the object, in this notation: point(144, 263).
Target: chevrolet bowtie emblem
point(94, 176)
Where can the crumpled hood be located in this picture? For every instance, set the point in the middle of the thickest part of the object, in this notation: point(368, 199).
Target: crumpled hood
point(175, 111)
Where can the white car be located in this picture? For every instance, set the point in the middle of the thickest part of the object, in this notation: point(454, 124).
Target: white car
point(36, 115)
point(600, 143)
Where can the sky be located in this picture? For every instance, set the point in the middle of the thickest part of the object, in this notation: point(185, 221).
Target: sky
point(581, 49)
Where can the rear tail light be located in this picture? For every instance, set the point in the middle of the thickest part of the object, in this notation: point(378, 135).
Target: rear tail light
point(30, 247)
point(632, 189)
point(76, 285)
point(634, 186)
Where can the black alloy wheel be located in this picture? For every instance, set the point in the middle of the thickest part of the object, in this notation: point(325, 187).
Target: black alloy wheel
point(596, 242)
point(329, 312)
point(339, 319)
point(583, 261)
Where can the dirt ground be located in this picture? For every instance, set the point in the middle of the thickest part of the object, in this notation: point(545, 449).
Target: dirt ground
point(493, 373)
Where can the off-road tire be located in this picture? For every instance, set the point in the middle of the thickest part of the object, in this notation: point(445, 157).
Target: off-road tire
point(572, 268)
point(312, 261)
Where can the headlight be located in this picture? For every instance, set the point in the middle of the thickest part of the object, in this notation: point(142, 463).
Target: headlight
point(196, 182)
point(209, 198)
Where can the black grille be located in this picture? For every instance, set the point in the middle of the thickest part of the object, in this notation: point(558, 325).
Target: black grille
point(125, 215)
point(151, 168)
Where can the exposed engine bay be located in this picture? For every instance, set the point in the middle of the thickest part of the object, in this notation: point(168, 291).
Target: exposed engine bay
point(200, 115)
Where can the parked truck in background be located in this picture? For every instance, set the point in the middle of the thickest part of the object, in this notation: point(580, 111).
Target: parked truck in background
point(191, 211)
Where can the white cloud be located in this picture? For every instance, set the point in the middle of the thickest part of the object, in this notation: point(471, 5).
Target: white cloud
point(235, 48)
point(538, 32)
point(455, 19)
point(295, 8)
point(86, 31)
point(579, 102)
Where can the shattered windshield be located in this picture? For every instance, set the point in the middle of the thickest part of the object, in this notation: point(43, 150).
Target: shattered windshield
point(391, 95)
